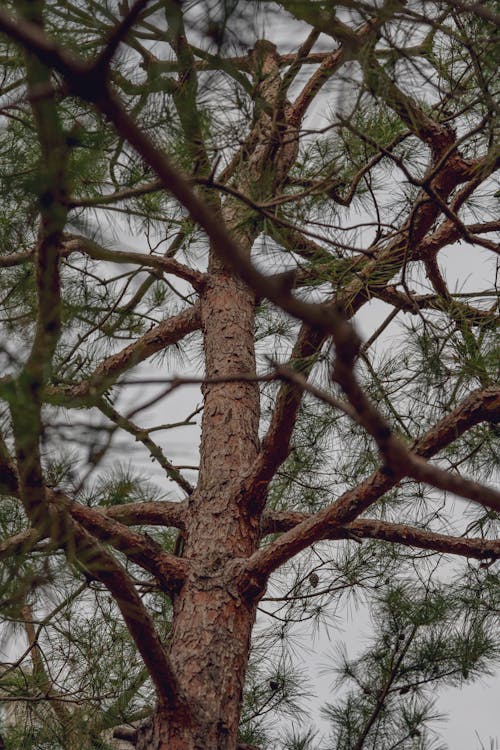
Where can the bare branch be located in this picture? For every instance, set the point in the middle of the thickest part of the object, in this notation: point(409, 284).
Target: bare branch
point(19, 544)
point(412, 303)
point(117, 197)
point(276, 443)
point(153, 448)
point(117, 35)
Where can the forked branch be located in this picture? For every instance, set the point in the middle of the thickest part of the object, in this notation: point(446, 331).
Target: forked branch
point(480, 406)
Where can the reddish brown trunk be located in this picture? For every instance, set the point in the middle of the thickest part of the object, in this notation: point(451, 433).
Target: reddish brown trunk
point(212, 622)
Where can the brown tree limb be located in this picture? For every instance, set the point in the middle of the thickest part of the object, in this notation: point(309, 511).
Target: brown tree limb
point(302, 56)
point(119, 195)
point(78, 244)
point(19, 544)
point(15, 259)
point(53, 515)
point(275, 522)
point(51, 520)
point(447, 233)
point(166, 333)
point(412, 303)
point(112, 528)
point(437, 136)
point(243, 62)
point(398, 457)
point(482, 405)
point(276, 443)
point(162, 513)
point(103, 567)
point(328, 66)
point(299, 244)
point(139, 548)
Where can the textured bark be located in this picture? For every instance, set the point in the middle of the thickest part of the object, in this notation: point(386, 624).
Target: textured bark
point(212, 618)
point(212, 621)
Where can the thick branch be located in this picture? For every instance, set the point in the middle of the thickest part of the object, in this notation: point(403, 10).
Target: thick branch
point(103, 567)
point(480, 406)
point(276, 443)
point(15, 259)
point(105, 525)
point(139, 548)
point(274, 522)
point(57, 517)
point(434, 134)
point(149, 514)
point(398, 458)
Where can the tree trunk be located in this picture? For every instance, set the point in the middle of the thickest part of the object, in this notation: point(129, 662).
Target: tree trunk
point(212, 622)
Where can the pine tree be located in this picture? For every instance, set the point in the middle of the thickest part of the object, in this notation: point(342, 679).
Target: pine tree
point(215, 195)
